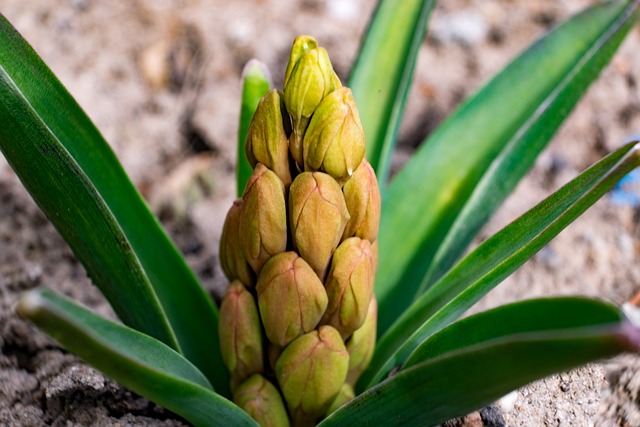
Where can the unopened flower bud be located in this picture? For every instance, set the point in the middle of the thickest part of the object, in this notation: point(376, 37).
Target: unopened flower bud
point(267, 142)
point(308, 79)
point(349, 286)
point(301, 45)
point(334, 141)
point(261, 400)
point(232, 259)
point(318, 215)
point(362, 196)
point(362, 343)
point(240, 333)
point(263, 219)
point(291, 298)
point(311, 372)
point(345, 396)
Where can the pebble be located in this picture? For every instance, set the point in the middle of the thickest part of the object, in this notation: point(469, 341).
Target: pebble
point(465, 27)
point(344, 10)
point(508, 401)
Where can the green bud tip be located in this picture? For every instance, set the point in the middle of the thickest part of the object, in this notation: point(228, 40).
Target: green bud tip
point(318, 216)
point(309, 78)
point(291, 298)
point(263, 219)
point(349, 286)
point(362, 344)
point(232, 259)
point(267, 141)
point(311, 372)
point(240, 333)
point(362, 196)
point(334, 141)
point(261, 400)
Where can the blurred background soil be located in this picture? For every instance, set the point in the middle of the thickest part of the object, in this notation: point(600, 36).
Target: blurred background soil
point(161, 80)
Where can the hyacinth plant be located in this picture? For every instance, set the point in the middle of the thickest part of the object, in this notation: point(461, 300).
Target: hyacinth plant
point(296, 339)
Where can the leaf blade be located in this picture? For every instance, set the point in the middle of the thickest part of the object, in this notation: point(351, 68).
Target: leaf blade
point(535, 316)
point(256, 82)
point(429, 220)
point(154, 291)
point(495, 259)
point(381, 75)
point(460, 381)
point(139, 362)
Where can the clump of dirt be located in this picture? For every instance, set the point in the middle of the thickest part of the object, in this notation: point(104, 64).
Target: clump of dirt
point(161, 81)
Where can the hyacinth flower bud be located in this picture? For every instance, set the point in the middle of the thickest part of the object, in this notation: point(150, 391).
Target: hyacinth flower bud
point(308, 79)
point(261, 400)
point(362, 196)
point(291, 298)
point(361, 344)
point(334, 141)
point(267, 141)
point(240, 333)
point(263, 219)
point(311, 372)
point(344, 397)
point(349, 286)
point(318, 215)
point(232, 259)
point(301, 45)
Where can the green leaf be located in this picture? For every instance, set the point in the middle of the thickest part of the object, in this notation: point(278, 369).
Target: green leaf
point(256, 82)
point(461, 174)
point(459, 377)
point(381, 76)
point(536, 316)
point(494, 260)
point(75, 178)
point(135, 360)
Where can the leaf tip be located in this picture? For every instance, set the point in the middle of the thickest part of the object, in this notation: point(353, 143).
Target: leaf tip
point(30, 304)
point(256, 69)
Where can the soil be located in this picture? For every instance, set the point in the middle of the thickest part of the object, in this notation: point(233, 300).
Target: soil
point(161, 81)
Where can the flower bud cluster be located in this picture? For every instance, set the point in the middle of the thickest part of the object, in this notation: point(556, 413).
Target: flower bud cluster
point(298, 320)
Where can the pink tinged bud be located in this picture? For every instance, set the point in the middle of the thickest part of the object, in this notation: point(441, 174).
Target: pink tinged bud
point(267, 141)
point(318, 215)
point(232, 259)
point(291, 298)
point(240, 333)
point(349, 286)
point(311, 372)
point(262, 401)
point(334, 141)
point(345, 396)
point(362, 196)
point(361, 344)
point(263, 219)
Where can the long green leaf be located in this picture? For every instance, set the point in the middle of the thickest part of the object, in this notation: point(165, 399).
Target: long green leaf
point(256, 82)
point(456, 382)
point(536, 316)
point(438, 202)
point(137, 361)
point(382, 74)
point(75, 178)
point(494, 260)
